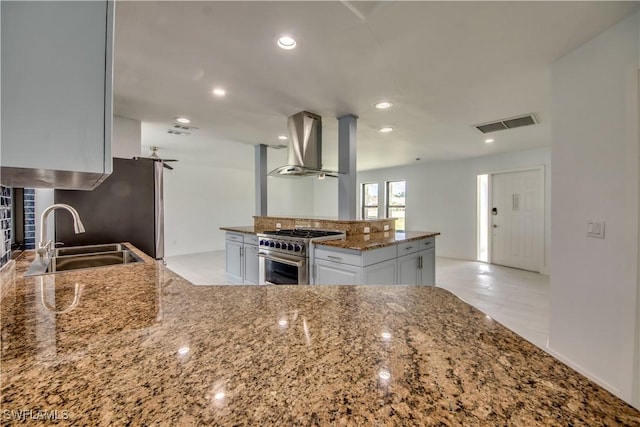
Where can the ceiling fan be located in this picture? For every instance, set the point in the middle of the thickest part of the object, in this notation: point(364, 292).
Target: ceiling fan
point(154, 156)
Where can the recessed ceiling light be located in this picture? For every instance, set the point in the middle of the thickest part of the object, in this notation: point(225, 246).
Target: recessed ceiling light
point(219, 91)
point(386, 129)
point(383, 105)
point(282, 137)
point(183, 120)
point(488, 141)
point(286, 42)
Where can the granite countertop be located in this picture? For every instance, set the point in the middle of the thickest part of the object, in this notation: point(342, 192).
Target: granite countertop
point(359, 242)
point(139, 345)
point(365, 242)
point(246, 229)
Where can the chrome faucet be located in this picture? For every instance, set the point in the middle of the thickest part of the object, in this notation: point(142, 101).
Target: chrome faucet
point(45, 246)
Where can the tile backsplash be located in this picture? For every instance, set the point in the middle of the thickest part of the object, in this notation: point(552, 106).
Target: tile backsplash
point(29, 218)
point(5, 225)
point(350, 226)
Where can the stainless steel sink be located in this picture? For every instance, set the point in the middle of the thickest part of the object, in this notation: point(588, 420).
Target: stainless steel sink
point(104, 259)
point(83, 257)
point(88, 249)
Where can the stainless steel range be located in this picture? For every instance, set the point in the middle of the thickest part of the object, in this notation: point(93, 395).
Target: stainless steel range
point(284, 254)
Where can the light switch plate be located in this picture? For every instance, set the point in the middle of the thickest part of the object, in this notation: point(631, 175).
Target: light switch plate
point(595, 229)
point(278, 226)
point(386, 228)
point(367, 230)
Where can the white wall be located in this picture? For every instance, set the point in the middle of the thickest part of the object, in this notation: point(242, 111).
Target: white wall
point(594, 282)
point(325, 198)
point(441, 196)
point(287, 196)
point(126, 141)
point(204, 193)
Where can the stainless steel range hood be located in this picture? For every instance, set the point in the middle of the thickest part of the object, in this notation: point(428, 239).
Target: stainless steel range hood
point(305, 148)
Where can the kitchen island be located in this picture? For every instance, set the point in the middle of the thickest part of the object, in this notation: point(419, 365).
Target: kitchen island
point(139, 345)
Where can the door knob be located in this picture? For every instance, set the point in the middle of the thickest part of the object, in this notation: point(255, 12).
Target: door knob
point(495, 225)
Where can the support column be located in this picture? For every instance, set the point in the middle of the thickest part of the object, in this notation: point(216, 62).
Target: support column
point(347, 184)
point(261, 180)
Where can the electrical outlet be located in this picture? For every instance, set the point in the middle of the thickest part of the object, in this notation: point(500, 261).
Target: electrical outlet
point(386, 227)
point(367, 230)
point(278, 226)
point(595, 229)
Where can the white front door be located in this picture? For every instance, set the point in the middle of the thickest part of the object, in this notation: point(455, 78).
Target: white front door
point(516, 219)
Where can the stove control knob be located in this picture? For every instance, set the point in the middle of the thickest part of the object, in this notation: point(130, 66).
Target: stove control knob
point(261, 242)
point(290, 246)
point(278, 245)
point(297, 248)
point(272, 244)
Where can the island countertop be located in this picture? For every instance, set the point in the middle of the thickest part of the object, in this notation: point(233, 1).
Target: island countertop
point(139, 345)
point(359, 242)
point(245, 229)
point(365, 242)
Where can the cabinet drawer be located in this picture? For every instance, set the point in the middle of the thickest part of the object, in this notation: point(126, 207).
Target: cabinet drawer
point(235, 237)
point(375, 256)
point(408, 247)
point(429, 243)
point(340, 256)
point(251, 239)
point(358, 258)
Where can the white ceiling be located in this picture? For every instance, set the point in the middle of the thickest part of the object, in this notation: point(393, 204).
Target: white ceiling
point(445, 65)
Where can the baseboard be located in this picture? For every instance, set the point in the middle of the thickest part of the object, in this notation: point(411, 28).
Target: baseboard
point(582, 370)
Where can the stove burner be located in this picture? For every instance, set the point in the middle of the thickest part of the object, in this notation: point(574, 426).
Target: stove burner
point(302, 233)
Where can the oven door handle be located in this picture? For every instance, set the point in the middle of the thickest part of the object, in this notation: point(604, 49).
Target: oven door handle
point(283, 260)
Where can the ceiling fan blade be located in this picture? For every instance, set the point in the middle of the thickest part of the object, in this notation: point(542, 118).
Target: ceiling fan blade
point(167, 166)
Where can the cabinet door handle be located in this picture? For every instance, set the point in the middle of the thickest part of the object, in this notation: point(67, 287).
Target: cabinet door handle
point(408, 248)
point(334, 257)
point(421, 264)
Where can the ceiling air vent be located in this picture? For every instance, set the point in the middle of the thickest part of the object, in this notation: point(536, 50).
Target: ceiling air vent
point(177, 132)
point(513, 122)
point(179, 126)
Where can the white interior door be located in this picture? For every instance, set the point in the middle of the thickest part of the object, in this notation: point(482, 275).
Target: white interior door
point(516, 219)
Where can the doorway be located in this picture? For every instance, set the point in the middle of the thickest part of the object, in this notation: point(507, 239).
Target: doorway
point(511, 218)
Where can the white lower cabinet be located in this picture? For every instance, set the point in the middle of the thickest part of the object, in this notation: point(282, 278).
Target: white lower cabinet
point(408, 269)
point(251, 270)
point(428, 267)
point(335, 273)
point(408, 263)
point(234, 260)
point(335, 266)
point(242, 258)
point(383, 273)
point(417, 268)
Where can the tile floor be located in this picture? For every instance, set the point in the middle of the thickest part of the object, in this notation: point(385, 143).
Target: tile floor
point(516, 298)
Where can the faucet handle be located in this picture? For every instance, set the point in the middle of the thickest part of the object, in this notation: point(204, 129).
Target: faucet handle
point(44, 249)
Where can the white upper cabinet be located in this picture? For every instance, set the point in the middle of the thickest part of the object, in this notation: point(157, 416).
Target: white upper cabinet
point(56, 88)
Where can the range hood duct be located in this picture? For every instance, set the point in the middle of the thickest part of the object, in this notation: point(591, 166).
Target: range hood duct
point(305, 148)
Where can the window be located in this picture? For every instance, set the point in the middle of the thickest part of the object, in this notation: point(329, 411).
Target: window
point(370, 201)
point(396, 195)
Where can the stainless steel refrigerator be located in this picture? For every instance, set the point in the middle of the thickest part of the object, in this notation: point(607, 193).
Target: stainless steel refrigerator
point(126, 207)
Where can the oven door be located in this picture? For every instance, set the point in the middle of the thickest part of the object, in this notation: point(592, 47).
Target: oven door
point(277, 269)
